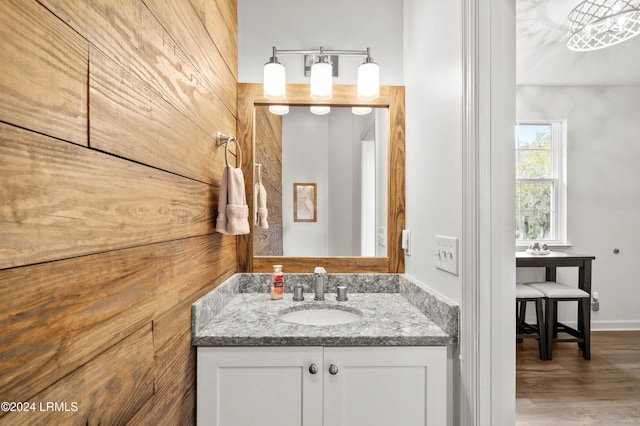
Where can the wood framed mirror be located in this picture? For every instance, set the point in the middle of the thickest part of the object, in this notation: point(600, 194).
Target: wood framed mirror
point(392, 97)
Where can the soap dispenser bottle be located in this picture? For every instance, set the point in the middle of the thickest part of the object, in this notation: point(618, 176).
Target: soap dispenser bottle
point(277, 283)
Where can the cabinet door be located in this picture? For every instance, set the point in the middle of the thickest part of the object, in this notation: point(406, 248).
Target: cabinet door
point(259, 386)
point(385, 386)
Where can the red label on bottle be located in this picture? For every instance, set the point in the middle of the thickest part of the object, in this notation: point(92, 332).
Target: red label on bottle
point(278, 284)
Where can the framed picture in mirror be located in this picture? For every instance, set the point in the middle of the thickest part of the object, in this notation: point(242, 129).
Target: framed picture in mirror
point(305, 205)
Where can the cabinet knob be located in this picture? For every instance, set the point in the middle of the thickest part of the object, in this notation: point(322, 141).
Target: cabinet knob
point(333, 370)
point(313, 369)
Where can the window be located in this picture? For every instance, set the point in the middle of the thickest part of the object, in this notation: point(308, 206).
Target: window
point(541, 181)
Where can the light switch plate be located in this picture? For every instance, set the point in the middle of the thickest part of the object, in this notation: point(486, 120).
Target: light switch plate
point(406, 241)
point(382, 236)
point(446, 255)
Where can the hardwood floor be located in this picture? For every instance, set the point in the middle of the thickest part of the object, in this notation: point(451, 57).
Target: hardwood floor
point(570, 390)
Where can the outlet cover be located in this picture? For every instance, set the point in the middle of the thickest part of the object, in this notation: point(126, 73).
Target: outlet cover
point(446, 255)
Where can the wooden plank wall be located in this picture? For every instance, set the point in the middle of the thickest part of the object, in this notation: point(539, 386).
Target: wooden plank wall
point(268, 152)
point(109, 178)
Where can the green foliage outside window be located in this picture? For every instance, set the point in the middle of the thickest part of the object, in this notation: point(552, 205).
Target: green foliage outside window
point(534, 182)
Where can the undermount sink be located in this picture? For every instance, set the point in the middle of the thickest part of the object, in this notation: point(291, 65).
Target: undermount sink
point(321, 316)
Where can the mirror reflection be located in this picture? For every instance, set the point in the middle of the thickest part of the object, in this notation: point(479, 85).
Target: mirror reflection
point(325, 179)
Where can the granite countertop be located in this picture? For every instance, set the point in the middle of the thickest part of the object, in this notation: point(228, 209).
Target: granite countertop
point(253, 319)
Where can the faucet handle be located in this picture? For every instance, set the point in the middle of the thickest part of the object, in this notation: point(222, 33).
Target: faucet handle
point(319, 270)
point(298, 292)
point(341, 295)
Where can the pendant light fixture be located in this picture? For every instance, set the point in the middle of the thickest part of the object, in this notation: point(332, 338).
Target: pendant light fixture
point(322, 74)
point(596, 24)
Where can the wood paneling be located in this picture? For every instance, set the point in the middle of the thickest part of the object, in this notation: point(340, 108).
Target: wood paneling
point(392, 97)
point(176, 366)
point(128, 33)
point(150, 130)
point(109, 390)
point(220, 18)
point(62, 200)
point(69, 311)
point(181, 21)
point(42, 84)
point(268, 152)
point(109, 179)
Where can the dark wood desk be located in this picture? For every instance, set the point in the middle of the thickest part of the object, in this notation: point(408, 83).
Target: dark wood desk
point(559, 259)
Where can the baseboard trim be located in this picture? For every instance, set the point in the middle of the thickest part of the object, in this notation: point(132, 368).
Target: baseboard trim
point(610, 325)
point(615, 325)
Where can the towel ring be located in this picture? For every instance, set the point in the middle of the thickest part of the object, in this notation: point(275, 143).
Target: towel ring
point(226, 150)
point(222, 139)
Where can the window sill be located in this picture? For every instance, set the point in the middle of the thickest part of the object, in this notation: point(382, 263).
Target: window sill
point(551, 246)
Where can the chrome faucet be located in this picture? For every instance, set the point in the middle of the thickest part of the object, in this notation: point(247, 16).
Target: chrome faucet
point(319, 283)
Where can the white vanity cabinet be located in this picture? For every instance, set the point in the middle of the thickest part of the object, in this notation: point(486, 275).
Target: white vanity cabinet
point(351, 386)
point(238, 386)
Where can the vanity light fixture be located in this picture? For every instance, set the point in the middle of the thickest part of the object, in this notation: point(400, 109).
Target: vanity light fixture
point(275, 86)
point(368, 79)
point(321, 78)
point(320, 110)
point(596, 24)
point(321, 74)
point(360, 110)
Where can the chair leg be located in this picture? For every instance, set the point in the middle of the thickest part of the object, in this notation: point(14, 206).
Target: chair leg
point(550, 322)
point(580, 326)
point(555, 319)
point(542, 339)
point(585, 326)
point(521, 311)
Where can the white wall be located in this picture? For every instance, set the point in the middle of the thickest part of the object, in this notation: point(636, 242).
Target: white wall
point(433, 80)
point(603, 189)
point(332, 24)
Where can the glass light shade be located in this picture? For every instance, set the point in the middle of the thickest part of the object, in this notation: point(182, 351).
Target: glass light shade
point(360, 110)
point(279, 109)
point(368, 81)
point(320, 110)
point(275, 86)
point(321, 81)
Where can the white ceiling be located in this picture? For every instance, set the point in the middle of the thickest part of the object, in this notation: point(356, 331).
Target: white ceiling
point(542, 56)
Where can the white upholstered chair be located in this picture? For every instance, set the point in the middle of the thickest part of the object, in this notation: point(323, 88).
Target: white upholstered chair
point(524, 330)
point(556, 292)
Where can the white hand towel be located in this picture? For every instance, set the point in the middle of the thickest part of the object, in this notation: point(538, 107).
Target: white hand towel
point(260, 206)
point(233, 212)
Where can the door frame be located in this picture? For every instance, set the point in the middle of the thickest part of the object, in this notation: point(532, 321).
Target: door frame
point(487, 323)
